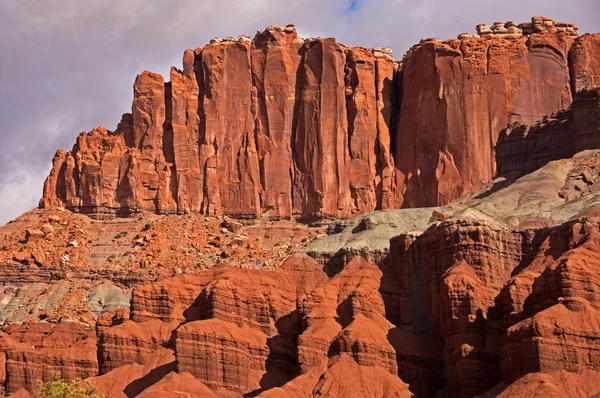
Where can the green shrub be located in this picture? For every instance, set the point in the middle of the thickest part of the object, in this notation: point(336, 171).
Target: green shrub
point(58, 388)
point(147, 226)
point(514, 124)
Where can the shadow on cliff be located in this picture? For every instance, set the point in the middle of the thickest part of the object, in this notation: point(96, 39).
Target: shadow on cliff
point(336, 263)
point(501, 183)
point(134, 388)
point(282, 362)
point(391, 114)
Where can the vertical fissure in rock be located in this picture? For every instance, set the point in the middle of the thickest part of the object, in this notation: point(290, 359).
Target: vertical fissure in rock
point(168, 143)
point(200, 142)
point(379, 152)
point(351, 111)
point(294, 171)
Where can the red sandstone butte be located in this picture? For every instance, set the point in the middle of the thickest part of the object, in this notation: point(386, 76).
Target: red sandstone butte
point(283, 127)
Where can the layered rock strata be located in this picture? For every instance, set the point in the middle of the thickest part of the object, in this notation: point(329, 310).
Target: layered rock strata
point(463, 308)
point(34, 352)
point(504, 303)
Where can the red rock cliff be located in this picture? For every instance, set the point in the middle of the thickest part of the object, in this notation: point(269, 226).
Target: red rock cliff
point(457, 95)
point(282, 127)
point(523, 148)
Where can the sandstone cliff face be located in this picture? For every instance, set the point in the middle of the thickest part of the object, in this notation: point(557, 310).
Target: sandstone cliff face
point(584, 58)
point(284, 153)
point(522, 149)
point(281, 127)
point(505, 303)
point(458, 95)
point(132, 342)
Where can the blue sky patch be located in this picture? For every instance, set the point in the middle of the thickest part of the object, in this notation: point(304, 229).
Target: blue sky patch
point(353, 6)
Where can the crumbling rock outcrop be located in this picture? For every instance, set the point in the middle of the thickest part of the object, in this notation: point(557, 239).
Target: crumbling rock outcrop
point(510, 30)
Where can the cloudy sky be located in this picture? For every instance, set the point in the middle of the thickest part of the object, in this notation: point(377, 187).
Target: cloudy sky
point(69, 65)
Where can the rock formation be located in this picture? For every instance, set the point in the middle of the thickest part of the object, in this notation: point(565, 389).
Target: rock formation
point(523, 148)
point(34, 352)
point(492, 292)
point(584, 56)
point(465, 307)
point(321, 129)
point(458, 95)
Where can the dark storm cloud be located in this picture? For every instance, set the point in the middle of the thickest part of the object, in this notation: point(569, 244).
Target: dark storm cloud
point(68, 66)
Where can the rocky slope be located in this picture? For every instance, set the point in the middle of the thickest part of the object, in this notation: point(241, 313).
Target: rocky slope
point(284, 127)
point(491, 292)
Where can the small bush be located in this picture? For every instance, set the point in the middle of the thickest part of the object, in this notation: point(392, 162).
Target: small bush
point(147, 226)
point(58, 388)
point(121, 234)
point(514, 124)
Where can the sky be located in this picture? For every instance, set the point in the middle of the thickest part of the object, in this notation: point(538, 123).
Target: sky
point(67, 66)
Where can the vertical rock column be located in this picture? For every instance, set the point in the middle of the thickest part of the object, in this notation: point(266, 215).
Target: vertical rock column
point(386, 69)
point(184, 122)
point(276, 58)
point(584, 62)
point(362, 127)
point(149, 168)
point(321, 141)
point(228, 147)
